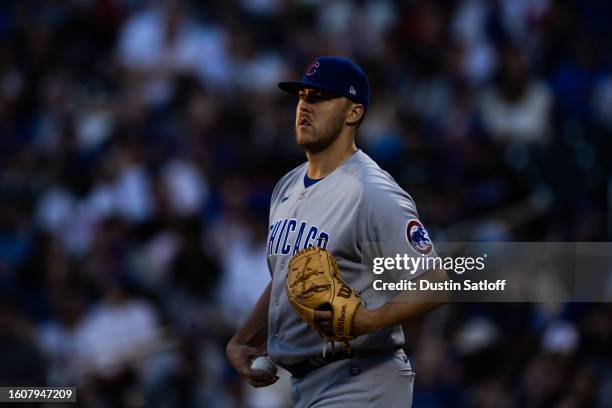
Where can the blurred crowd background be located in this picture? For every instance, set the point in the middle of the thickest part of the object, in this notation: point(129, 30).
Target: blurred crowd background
point(140, 142)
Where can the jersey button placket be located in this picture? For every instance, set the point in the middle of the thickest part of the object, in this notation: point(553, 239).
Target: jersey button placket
point(277, 300)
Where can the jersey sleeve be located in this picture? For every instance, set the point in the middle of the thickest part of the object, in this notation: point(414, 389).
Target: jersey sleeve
point(390, 226)
point(273, 203)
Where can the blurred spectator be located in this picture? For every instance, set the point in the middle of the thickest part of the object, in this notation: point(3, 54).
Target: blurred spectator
point(116, 333)
point(517, 108)
point(22, 361)
point(165, 41)
point(58, 338)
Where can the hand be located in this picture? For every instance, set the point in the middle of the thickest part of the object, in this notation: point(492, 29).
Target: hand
point(364, 321)
point(240, 356)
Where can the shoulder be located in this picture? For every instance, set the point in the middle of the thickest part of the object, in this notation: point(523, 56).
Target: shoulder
point(375, 184)
point(288, 180)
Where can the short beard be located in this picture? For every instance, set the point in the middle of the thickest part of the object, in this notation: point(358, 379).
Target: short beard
point(329, 135)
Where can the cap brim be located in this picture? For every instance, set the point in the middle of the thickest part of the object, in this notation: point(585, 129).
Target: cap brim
point(295, 86)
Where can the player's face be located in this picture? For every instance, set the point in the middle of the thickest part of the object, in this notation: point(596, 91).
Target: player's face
point(319, 119)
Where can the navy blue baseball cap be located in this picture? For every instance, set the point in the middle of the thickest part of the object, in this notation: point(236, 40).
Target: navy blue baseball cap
point(337, 75)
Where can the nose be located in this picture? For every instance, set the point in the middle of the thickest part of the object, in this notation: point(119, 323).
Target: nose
point(304, 102)
point(304, 106)
point(305, 98)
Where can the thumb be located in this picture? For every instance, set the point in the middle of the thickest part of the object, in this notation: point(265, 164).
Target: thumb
point(261, 350)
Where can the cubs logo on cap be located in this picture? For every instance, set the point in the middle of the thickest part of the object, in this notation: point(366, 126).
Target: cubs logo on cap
point(418, 238)
point(312, 67)
point(337, 75)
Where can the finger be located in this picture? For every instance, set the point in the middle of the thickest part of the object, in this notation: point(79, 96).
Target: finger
point(259, 384)
point(325, 327)
point(257, 375)
point(323, 315)
point(324, 324)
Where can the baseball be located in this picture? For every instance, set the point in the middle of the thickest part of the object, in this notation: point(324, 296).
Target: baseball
point(263, 363)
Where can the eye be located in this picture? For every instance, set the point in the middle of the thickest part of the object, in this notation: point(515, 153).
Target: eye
point(321, 96)
point(315, 96)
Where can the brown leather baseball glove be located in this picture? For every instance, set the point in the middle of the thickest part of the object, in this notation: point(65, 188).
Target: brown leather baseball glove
point(314, 283)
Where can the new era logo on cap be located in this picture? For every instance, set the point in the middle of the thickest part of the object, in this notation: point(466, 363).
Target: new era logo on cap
point(336, 75)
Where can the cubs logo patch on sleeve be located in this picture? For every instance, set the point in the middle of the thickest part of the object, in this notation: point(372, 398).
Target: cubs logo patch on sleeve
point(418, 237)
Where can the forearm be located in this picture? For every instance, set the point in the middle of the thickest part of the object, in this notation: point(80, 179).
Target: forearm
point(254, 331)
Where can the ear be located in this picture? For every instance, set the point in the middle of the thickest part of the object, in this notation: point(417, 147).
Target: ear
point(354, 114)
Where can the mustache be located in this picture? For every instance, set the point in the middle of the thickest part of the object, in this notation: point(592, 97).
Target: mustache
point(304, 120)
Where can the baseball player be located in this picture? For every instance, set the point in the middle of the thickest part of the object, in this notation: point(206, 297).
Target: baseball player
point(340, 200)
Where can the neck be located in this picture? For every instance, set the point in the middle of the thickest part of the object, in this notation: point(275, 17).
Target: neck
point(323, 163)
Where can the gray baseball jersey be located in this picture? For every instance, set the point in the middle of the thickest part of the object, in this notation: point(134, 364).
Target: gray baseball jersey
point(357, 203)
